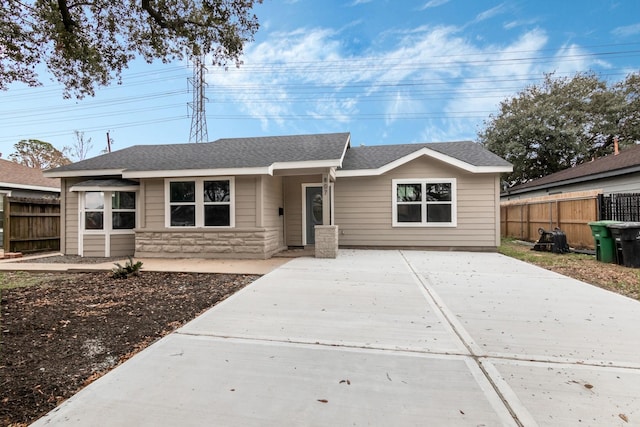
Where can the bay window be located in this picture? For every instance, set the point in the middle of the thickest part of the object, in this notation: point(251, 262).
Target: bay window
point(109, 210)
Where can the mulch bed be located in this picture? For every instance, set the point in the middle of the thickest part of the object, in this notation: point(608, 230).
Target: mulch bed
point(62, 334)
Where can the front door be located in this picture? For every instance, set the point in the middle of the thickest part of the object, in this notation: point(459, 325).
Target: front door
point(313, 212)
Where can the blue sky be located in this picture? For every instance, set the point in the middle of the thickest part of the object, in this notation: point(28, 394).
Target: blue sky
point(389, 72)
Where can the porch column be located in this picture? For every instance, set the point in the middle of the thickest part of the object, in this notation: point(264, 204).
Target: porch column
point(326, 234)
point(326, 199)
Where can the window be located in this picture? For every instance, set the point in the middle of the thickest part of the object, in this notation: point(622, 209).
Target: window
point(123, 210)
point(182, 200)
point(120, 214)
point(94, 210)
point(418, 202)
point(200, 203)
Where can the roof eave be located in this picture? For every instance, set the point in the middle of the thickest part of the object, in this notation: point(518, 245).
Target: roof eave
point(182, 173)
point(80, 173)
point(308, 164)
point(15, 186)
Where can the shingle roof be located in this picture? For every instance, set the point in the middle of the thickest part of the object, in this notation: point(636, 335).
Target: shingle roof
point(14, 173)
point(223, 153)
point(232, 153)
point(627, 158)
point(376, 156)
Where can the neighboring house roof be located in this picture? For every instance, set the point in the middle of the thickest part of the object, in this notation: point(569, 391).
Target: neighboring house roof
point(626, 161)
point(14, 175)
point(264, 155)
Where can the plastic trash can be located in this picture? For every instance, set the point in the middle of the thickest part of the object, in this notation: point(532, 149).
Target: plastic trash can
point(626, 238)
point(605, 245)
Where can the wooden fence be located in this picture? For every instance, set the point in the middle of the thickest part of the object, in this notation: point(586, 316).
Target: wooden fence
point(31, 225)
point(571, 212)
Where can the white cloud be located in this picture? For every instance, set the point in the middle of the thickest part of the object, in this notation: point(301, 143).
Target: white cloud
point(433, 3)
point(490, 13)
point(358, 2)
point(451, 83)
point(626, 31)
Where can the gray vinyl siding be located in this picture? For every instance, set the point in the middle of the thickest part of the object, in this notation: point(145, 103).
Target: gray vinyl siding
point(153, 201)
point(70, 218)
point(123, 244)
point(93, 245)
point(272, 200)
point(622, 184)
point(293, 206)
point(363, 209)
point(245, 201)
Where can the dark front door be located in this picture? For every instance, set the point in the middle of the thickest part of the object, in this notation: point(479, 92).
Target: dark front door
point(313, 204)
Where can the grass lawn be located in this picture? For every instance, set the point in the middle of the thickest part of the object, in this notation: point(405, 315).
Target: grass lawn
point(616, 278)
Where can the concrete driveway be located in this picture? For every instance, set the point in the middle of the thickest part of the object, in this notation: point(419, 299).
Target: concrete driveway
point(386, 338)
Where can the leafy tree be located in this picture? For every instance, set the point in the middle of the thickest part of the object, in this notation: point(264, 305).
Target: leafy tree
point(561, 123)
point(81, 147)
point(38, 154)
point(89, 43)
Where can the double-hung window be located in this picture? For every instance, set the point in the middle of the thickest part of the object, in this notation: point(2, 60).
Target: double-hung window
point(424, 203)
point(200, 202)
point(119, 214)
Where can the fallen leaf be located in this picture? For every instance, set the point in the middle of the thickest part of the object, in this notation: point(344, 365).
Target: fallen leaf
point(323, 400)
point(461, 411)
point(624, 418)
point(589, 386)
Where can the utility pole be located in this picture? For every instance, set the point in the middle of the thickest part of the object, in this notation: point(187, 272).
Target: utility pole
point(198, 131)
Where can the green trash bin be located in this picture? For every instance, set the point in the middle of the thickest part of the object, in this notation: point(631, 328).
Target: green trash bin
point(605, 244)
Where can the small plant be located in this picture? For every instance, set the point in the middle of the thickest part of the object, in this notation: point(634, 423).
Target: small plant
point(129, 269)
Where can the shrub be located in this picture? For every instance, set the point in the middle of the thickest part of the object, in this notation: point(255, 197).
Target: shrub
point(129, 269)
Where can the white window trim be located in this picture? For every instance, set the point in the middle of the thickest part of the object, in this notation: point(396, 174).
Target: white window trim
point(107, 230)
point(424, 223)
point(199, 202)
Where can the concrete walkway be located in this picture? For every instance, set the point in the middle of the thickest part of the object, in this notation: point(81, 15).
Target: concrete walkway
point(386, 338)
point(243, 266)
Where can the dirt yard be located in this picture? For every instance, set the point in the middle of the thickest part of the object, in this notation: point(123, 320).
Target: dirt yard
point(59, 332)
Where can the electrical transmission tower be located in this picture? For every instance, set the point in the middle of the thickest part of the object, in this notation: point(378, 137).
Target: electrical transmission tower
point(198, 131)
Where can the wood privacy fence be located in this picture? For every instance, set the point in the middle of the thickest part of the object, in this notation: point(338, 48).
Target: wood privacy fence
point(570, 212)
point(31, 225)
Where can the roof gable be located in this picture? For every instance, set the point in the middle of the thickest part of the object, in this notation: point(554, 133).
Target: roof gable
point(466, 155)
point(626, 160)
point(15, 175)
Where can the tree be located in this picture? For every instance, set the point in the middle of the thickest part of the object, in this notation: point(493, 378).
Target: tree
point(561, 123)
point(89, 43)
point(80, 148)
point(38, 154)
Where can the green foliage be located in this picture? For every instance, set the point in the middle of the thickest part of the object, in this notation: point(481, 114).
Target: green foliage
point(129, 269)
point(561, 123)
point(85, 44)
point(38, 154)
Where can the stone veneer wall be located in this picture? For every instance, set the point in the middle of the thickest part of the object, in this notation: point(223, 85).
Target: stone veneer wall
point(258, 243)
point(326, 241)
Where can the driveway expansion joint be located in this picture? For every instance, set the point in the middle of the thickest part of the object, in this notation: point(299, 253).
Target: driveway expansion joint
point(326, 345)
